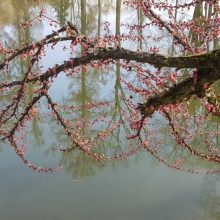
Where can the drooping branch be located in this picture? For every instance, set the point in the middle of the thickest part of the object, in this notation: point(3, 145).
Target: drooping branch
point(215, 158)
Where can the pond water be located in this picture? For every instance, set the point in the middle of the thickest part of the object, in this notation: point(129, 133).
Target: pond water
point(137, 188)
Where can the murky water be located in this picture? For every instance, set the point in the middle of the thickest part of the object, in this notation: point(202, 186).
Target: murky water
point(138, 188)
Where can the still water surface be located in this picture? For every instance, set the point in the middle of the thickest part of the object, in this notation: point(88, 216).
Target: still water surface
point(139, 188)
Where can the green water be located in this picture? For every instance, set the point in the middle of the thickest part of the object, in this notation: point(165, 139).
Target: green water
point(138, 188)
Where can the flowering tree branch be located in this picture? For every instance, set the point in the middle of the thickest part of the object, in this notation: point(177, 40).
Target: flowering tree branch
point(160, 92)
